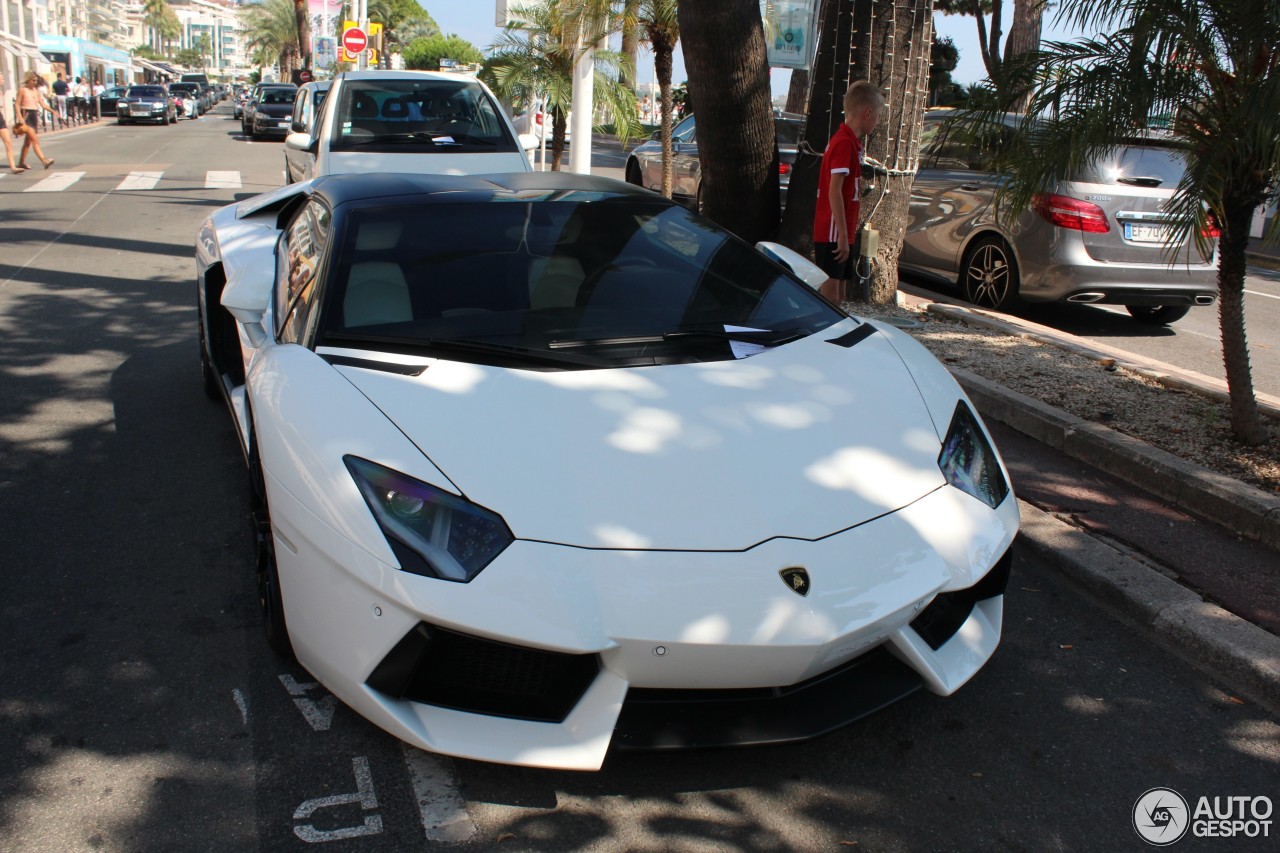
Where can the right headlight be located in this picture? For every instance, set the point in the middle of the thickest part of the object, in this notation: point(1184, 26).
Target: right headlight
point(968, 461)
point(431, 532)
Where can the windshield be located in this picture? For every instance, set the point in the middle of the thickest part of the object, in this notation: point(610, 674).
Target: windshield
point(565, 283)
point(788, 132)
point(146, 92)
point(419, 115)
point(277, 96)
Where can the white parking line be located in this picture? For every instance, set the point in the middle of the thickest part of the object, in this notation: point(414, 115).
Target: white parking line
point(440, 804)
point(141, 181)
point(1268, 295)
point(222, 180)
point(55, 183)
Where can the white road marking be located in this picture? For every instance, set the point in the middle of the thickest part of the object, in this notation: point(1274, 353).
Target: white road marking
point(242, 704)
point(222, 180)
point(364, 795)
point(317, 713)
point(435, 787)
point(141, 181)
point(55, 183)
point(1268, 295)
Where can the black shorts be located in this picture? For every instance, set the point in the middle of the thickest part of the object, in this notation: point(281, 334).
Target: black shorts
point(3, 124)
point(824, 255)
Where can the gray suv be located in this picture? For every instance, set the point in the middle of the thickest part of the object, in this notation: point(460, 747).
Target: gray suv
point(1099, 238)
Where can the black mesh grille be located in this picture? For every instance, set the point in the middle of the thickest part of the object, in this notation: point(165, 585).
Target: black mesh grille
point(436, 666)
point(946, 613)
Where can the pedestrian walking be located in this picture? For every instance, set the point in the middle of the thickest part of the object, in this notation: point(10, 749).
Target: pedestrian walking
point(27, 107)
point(80, 91)
point(4, 129)
point(836, 217)
point(62, 93)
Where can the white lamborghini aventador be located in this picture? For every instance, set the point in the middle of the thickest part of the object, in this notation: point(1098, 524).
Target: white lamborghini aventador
point(544, 463)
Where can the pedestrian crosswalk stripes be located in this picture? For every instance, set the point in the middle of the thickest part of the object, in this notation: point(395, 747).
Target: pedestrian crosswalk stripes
point(140, 181)
point(222, 180)
point(92, 179)
point(57, 182)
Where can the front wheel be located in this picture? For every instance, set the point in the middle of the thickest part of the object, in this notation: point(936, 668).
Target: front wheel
point(633, 174)
point(988, 275)
point(270, 599)
point(1157, 315)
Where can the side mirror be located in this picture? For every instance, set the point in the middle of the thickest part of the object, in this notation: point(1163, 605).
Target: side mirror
point(804, 269)
point(528, 142)
point(656, 136)
point(300, 141)
point(298, 127)
point(248, 295)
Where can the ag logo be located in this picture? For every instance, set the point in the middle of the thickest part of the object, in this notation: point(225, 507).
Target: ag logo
point(1161, 817)
point(796, 579)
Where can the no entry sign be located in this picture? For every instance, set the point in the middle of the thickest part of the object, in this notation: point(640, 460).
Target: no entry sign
point(354, 40)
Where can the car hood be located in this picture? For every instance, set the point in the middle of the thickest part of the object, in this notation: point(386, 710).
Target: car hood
point(274, 110)
point(801, 441)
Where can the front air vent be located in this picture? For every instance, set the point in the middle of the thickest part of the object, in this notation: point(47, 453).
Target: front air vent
point(436, 666)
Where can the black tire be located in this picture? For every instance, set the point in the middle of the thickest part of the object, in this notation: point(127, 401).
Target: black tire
point(633, 173)
point(989, 276)
point(164, 119)
point(270, 597)
point(1157, 315)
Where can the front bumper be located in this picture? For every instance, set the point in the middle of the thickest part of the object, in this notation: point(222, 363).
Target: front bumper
point(665, 649)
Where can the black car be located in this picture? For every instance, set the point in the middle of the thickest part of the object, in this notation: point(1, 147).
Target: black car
point(107, 100)
point(270, 112)
point(146, 103)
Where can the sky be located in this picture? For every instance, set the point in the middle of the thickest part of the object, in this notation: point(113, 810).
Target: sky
point(474, 20)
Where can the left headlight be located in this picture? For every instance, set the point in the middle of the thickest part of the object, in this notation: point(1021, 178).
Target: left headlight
point(968, 461)
point(431, 532)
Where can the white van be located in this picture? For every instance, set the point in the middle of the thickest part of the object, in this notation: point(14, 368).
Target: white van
point(406, 121)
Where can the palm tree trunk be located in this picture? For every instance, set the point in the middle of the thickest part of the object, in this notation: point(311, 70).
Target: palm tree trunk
point(559, 122)
point(631, 45)
point(798, 91)
point(662, 52)
point(729, 81)
point(1246, 420)
point(302, 13)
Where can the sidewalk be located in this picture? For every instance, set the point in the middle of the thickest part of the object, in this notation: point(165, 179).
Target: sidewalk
point(1264, 254)
point(1128, 522)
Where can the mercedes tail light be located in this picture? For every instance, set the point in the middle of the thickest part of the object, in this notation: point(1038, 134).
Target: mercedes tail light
point(1073, 213)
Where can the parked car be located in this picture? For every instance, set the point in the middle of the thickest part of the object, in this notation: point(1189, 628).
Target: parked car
point(107, 100)
point(408, 121)
point(699, 550)
point(146, 103)
point(272, 113)
point(1101, 237)
point(644, 165)
point(238, 101)
point(188, 95)
point(538, 123)
point(306, 109)
point(246, 115)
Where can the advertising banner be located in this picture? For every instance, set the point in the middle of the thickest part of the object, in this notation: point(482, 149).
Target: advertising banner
point(790, 32)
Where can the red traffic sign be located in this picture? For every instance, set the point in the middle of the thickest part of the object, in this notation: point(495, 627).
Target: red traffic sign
point(354, 40)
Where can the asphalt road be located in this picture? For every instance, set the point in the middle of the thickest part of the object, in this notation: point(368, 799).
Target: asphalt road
point(1192, 343)
point(142, 710)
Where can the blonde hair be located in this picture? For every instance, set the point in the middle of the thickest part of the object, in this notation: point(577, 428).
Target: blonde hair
point(863, 94)
point(31, 75)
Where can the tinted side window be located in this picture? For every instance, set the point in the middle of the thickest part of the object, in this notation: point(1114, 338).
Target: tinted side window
point(301, 251)
point(686, 131)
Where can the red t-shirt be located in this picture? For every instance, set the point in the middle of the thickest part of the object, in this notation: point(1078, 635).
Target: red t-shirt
point(843, 155)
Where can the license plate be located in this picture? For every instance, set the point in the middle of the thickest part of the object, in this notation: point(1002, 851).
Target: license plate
point(1138, 232)
point(282, 124)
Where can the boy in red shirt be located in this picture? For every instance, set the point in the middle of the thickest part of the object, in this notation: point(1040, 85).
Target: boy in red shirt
point(836, 216)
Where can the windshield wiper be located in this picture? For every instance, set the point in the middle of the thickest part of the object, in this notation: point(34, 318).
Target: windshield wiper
point(419, 138)
point(467, 346)
point(763, 337)
point(1140, 181)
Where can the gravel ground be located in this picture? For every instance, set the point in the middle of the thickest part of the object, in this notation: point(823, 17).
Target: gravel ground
point(1185, 424)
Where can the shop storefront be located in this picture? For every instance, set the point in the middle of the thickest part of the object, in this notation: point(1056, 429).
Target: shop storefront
point(80, 58)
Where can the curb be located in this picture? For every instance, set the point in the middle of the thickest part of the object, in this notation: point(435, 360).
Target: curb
point(1167, 375)
point(1241, 508)
point(1223, 645)
point(1260, 259)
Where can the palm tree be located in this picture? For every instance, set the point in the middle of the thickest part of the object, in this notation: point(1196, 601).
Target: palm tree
point(661, 28)
point(533, 60)
point(153, 15)
point(1214, 66)
point(272, 29)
